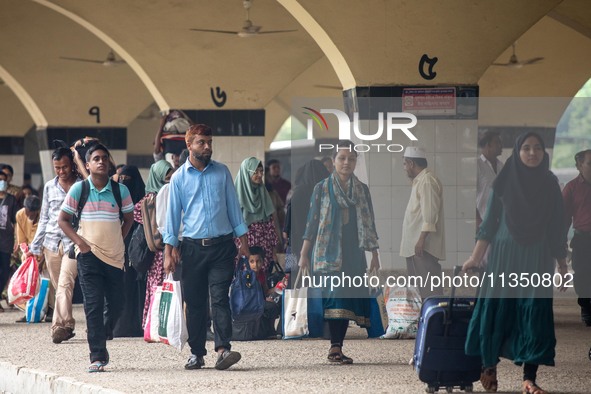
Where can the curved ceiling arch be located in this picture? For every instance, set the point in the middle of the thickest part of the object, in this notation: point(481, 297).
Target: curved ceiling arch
point(323, 40)
point(25, 98)
point(130, 60)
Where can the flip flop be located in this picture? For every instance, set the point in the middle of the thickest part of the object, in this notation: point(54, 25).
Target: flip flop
point(97, 366)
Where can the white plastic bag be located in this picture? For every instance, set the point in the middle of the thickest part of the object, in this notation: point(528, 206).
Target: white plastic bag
point(403, 305)
point(295, 313)
point(152, 318)
point(172, 328)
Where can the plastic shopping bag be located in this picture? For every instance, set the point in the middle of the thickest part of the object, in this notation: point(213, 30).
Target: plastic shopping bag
point(378, 315)
point(152, 318)
point(37, 306)
point(24, 284)
point(172, 327)
point(404, 310)
point(303, 314)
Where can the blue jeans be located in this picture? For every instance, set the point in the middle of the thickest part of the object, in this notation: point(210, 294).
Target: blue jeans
point(207, 268)
point(98, 281)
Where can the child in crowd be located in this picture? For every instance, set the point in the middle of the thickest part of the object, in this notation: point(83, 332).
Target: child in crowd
point(271, 308)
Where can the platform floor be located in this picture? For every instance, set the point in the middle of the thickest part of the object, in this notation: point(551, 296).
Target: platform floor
point(273, 366)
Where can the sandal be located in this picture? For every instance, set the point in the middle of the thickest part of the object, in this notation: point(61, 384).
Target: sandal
point(530, 387)
point(97, 366)
point(488, 379)
point(339, 357)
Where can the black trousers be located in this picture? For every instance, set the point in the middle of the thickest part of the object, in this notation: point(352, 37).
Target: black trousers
point(4, 270)
point(207, 268)
point(99, 281)
point(581, 246)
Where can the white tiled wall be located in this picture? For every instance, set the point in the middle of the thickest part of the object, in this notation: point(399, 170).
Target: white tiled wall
point(17, 162)
point(233, 150)
point(451, 147)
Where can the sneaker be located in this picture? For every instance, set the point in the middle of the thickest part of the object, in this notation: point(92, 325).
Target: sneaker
point(61, 334)
point(227, 359)
point(195, 362)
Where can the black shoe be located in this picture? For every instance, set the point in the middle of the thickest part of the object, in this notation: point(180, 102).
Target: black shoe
point(49, 315)
point(195, 362)
point(227, 359)
point(586, 315)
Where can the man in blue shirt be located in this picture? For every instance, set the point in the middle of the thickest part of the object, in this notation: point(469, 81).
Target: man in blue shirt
point(204, 191)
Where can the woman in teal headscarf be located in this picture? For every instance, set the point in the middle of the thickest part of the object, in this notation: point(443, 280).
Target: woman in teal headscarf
point(257, 208)
point(160, 173)
point(157, 177)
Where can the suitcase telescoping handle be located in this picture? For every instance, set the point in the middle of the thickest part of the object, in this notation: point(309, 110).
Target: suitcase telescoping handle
point(448, 316)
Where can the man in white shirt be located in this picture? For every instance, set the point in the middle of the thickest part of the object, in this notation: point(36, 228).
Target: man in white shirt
point(488, 168)
point(423, 233)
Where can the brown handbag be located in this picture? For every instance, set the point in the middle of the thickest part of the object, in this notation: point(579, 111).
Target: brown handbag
point(153, 236)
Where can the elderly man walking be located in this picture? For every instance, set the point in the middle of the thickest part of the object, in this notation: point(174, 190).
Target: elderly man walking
point(423, 236)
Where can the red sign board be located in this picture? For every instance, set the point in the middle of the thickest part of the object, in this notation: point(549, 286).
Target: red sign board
point(429, 101)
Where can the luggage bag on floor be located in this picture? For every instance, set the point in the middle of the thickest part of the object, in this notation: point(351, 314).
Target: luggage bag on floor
point(439, 357)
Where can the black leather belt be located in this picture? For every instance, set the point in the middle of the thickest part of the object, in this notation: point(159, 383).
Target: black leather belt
point(209, 241)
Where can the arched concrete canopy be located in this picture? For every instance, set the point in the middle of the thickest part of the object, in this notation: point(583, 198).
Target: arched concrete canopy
point(319, 80)
point(16, 120)
point(27, 102)
point(186, 64)
point(381, 41)
point(565, 68)
point(32, 40)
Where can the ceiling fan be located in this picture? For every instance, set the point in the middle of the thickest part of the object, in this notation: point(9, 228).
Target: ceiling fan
point(248, 28)
point(109, 61)
point(515, 63)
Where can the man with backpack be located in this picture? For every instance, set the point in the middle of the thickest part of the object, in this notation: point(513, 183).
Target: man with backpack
point(99, 204)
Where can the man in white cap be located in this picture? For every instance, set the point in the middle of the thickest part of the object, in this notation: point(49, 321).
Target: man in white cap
point(423, 235)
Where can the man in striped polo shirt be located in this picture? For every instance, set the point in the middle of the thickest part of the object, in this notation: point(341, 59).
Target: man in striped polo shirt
point(99, 246)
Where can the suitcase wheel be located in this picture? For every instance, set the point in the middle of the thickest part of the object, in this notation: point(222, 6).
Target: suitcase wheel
point(468, 388)
point(431, 389)
point(449, 389)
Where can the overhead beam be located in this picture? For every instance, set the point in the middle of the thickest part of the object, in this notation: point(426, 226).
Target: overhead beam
point(323, 40)
point(25, 99)
point(576, 26)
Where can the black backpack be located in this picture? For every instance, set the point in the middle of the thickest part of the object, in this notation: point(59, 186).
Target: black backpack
point(82, 201)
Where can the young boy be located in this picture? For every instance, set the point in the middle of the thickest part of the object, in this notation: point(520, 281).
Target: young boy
point(271, 308)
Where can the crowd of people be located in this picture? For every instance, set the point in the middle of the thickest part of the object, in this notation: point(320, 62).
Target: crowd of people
point(83, 224)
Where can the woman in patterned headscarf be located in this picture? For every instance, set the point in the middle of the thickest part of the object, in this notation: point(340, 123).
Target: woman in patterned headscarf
point(340, 228)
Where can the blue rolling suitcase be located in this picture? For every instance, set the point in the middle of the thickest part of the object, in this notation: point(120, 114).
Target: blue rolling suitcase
point(439, 356)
